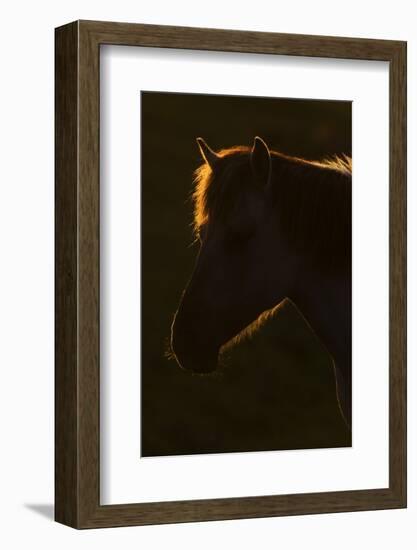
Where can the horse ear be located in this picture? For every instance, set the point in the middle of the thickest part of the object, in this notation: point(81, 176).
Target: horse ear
point(208, 154)
point(260, 160)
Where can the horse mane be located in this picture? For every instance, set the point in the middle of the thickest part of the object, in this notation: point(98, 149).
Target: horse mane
point(340, 163)
point(312, 199)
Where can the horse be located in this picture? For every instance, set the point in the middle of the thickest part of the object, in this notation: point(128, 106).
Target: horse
point(272, 228)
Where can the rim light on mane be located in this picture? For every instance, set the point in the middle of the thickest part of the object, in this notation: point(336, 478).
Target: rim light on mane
point(312, 199)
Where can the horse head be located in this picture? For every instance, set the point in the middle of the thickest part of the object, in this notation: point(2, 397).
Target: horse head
point(237, 274)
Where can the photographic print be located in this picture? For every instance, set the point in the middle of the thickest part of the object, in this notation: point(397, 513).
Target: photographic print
point(203, 274)
point(246, 258)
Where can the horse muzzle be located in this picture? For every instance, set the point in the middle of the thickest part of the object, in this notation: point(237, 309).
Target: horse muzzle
point(193, 352)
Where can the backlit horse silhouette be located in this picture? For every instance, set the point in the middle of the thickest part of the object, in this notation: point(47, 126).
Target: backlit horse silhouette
point(271, 228)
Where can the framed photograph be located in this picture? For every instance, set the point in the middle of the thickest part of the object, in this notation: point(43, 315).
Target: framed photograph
point(230, 274)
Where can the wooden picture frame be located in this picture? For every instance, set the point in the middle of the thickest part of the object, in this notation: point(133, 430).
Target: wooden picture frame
point(77, 372)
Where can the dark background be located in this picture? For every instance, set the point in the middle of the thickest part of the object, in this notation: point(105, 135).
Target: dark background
point(276, 390)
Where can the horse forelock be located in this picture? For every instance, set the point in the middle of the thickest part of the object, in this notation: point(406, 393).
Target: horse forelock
point(212, 187)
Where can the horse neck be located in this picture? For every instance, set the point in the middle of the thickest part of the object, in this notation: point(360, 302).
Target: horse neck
point(319, 289)
point(325, 303)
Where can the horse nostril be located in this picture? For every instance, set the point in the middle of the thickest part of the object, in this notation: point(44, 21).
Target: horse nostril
point(178, 343)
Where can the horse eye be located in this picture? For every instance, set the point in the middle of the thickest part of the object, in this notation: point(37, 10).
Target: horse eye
point(238, 235)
